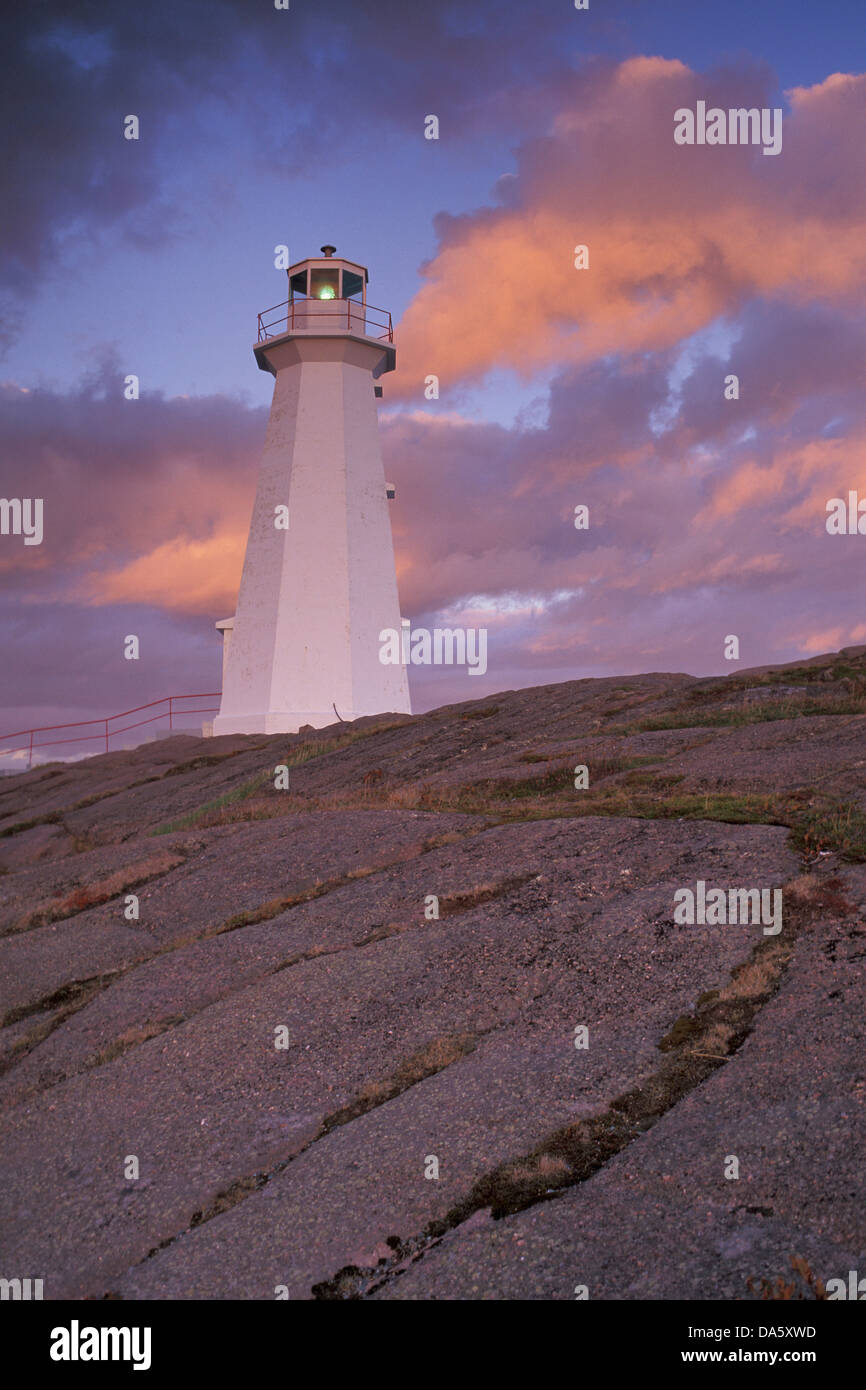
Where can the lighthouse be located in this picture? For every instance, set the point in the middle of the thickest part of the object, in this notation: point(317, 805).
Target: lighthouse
point(319, 583)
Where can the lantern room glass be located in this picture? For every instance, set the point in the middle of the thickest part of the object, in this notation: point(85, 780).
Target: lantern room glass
point(325, 284)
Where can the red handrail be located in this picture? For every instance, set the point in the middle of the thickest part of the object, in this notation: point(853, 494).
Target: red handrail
point(358, 316)
point(106, 733)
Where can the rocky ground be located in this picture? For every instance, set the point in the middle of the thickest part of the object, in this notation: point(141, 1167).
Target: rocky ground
point(334, 991)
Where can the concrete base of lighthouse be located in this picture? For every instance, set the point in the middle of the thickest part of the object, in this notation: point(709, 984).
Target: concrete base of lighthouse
point(279, 723)
point(315, 596)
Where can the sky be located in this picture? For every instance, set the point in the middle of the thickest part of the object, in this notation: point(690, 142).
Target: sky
point(560, 387)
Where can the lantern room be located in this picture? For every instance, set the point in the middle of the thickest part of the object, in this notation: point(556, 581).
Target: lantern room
point(328, 278)
point(327, 297)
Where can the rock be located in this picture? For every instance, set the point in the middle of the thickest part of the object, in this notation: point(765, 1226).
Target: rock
point(346, 1033)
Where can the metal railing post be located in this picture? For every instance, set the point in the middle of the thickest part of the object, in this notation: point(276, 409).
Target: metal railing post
point(105, 721)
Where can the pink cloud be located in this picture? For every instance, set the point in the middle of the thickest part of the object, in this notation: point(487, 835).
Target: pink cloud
point(677, 235)
point(707, 515)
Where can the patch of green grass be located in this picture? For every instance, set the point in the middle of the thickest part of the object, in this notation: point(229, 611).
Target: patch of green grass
point(744, 715)
point(645, 791)
point(543, 784)
point(308, 752)
point(554, 794)
point(261, 784)
point(563, 777)
point(838, 826)
point(815, 826)
point(217, 803)
point(807, 675)
point(657, 780)
point(49, 818)
point(559, 779)
point(655, 803)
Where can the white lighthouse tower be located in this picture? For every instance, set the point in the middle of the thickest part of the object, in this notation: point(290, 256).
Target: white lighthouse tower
point(319, 583)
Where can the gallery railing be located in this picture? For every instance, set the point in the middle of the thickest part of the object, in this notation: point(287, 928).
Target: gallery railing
point(312, 315)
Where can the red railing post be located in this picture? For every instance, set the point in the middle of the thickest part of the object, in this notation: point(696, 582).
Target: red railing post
point(105, 720)
point(169, 711)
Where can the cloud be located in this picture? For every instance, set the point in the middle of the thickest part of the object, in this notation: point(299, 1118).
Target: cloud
point(144, 501)
point(73, 73)
point(707, 515)
point(713, 525)
point(678, 236)
point(199, 577)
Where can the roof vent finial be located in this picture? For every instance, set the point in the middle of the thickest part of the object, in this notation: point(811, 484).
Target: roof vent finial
point(328, 250)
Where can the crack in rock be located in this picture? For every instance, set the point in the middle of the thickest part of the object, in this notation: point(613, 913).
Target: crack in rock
point(695, 1046)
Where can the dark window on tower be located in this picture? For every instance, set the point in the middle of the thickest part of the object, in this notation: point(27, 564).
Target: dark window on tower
point(353, 285)
point(298, 284)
